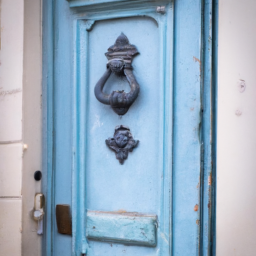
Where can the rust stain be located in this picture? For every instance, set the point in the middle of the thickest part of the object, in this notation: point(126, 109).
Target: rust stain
point(196, 60)
point(209, 205)
point(210, 180)
point(121, 211)
point(198, 185)
point(197, 222)
point(196, 208)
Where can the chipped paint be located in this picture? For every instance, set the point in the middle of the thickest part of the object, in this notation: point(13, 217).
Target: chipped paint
point(128, 228)
point(164, 237)
point(196, 60)
point(210, 180)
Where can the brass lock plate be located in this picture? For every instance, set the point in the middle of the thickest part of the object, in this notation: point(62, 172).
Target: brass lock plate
point(64, 219)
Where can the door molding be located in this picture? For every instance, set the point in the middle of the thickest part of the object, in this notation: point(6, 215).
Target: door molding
point(82, 27)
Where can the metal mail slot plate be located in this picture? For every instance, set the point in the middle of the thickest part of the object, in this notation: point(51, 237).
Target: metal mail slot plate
point(124, 228)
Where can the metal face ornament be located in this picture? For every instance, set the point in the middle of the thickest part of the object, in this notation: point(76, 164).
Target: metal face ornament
point(122, 143)
point(120, 56)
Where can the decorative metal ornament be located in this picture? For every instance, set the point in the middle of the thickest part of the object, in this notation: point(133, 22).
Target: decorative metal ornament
point(120, 56)
point(122, 143)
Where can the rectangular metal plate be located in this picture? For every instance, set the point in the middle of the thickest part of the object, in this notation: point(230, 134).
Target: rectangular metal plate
point(63, 218)
point(124, 228)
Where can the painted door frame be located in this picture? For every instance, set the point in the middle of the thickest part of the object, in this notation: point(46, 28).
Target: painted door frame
point(207, 130)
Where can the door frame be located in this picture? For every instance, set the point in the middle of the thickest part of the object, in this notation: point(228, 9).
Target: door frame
point(207, 133)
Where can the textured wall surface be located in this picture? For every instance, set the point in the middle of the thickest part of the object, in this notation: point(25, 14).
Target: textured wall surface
point(236, 165)
point(20, 125)
point(32, 120)
point(11, 146)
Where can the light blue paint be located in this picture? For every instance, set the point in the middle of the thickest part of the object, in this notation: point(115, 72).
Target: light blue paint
point(113, 4)
point(187, 127)
point(48, 179)
point(125, 228)
point(207, 131)
point(215, 10)
point(166, 118)
point(102, 173)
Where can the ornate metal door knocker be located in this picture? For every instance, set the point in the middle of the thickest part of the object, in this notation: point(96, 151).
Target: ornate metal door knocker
point(120, 57)
point(122, 143)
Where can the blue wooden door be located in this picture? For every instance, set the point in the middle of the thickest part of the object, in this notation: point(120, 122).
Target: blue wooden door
point(155, 201)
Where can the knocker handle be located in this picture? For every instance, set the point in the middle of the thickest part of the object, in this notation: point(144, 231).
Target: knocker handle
point(120, 58)
point(98, 90)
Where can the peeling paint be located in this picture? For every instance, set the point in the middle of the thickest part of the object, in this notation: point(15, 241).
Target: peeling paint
point(196, 60)
point(164, 238)
point(210, 180)
point(97, 123)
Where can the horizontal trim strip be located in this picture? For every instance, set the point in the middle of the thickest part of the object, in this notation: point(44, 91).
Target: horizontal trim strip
point(113, 3)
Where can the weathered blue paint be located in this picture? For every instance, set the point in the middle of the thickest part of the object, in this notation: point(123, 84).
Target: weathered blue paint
point(212, 238)
point(125, 228)
point(207, 131)
point(48, 116)
point(187, 128)
point(166, 175)
point(112, 4)
point(87, 35)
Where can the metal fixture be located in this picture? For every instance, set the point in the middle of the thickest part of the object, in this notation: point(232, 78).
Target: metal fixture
point(122, 143)
point(120, 56)
point(39, 212)
point(63, 219)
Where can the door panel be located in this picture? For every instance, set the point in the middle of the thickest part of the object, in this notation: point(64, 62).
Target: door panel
point(151, 204)
point(111, 186)
point(142, 183)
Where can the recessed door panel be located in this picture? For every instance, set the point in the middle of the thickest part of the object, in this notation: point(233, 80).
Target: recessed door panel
point(134, 186)
point(140, 185)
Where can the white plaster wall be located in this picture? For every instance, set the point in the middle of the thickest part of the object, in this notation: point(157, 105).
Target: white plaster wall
point(32, 123)
point(20, 124)
point(11, 147)
point(236, 164)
